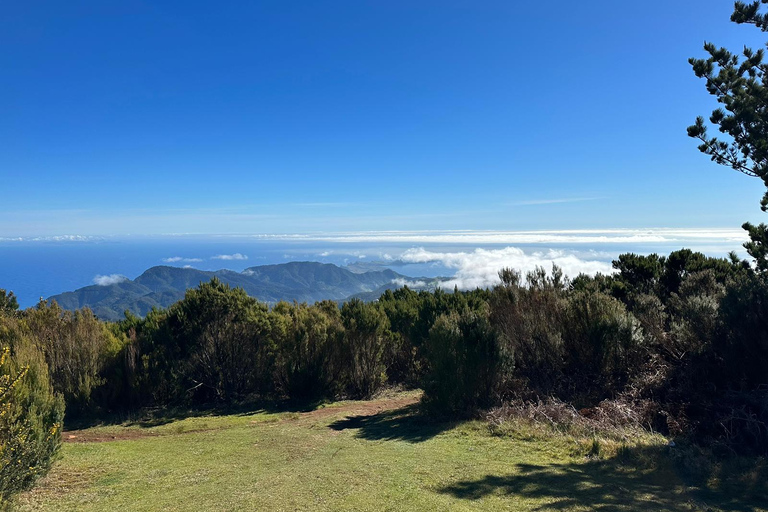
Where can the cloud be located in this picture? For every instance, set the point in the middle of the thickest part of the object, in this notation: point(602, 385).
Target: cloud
point(109, 280)
point(480, 268)
point(675, 236)
point(176, 259)
point(357, 254)
point(230, 257)
point(410, 284)
point(56, 238)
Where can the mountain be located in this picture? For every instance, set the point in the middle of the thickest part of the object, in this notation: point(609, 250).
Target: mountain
point(162, 286)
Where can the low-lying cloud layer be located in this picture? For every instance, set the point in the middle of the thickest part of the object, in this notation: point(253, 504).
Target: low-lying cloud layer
point(109, 279)
point(480, 268)
point(176, 259)
point(410, 284)
point(683, 236)
point(230, 257)
point(53, 238)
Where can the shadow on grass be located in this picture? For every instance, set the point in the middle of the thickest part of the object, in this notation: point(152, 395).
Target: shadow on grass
point(626, 482)
point(155, 417)
point(404, 424)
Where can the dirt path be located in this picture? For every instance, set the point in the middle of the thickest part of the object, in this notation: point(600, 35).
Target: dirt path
point(88, 436)
point(367, 408)
point(357, 408)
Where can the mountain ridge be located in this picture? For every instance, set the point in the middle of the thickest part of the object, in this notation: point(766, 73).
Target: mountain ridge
point(162, 285)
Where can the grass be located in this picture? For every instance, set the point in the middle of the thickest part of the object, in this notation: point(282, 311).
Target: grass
point(378, 455)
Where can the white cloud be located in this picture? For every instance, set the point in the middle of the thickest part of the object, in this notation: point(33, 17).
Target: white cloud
point(176, 259)
point(56, 238)
point(621, 236)
point(480, 268)
point(325, 254)
point(109, 279)
point(229, 257)
point(410, 284)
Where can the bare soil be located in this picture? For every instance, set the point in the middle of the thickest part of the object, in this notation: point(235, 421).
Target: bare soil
point(366, 408)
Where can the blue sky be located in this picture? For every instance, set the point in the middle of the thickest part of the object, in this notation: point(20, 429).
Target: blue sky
point(304, 116)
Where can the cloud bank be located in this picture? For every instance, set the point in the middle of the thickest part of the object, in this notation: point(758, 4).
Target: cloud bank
point(176, 259)
point(230, 257)
point(410, 284)
point(55, 238)
point(480, 268)
point(682, 236)
point(109, 279)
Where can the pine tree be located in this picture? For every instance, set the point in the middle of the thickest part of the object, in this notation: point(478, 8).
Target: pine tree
point(740, 85)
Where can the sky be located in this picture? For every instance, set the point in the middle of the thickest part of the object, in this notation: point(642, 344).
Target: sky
point(268, 117)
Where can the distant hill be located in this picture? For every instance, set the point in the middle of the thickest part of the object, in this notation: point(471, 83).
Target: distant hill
point(162, 286)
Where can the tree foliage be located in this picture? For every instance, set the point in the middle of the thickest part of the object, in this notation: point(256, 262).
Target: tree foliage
point(740, 85)
point(464, 359)
point(8, 302)
point(30, 414)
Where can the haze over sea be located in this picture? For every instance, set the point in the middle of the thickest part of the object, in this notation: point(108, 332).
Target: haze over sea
point(35, 267)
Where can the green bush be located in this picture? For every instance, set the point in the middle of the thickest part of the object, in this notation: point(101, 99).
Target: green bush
point(218, 344)
point(463, 358)
point(308, 348)
point(601, 347)
point(529, 320)
point(366, 338)
point(30, 414)
point(77, 348)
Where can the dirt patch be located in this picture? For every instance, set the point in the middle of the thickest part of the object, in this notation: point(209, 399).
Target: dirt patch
point(87, 436)
point(367, 408)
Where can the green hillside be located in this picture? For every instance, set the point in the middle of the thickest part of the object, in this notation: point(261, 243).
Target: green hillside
point(161, 286)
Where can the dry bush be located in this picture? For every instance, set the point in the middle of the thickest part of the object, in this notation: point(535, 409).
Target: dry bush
point(621, 419)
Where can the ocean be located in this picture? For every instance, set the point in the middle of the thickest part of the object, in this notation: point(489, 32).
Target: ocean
point(39, 267)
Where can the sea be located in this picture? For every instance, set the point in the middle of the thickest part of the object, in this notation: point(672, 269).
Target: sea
point(37, 267)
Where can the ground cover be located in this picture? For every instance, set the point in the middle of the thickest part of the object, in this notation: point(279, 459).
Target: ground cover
point(372, 455)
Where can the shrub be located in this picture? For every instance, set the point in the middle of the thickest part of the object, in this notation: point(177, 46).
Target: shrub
point(695, 312)
point(77, 347)
point(308, 347)
point(219, 344)
point(405, 357)
point(601, 342)
point(366, 330)
point(529, 321)
point(30, 414)
point(463, 358)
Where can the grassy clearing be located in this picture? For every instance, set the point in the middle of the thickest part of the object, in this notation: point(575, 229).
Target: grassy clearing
point(377, 455)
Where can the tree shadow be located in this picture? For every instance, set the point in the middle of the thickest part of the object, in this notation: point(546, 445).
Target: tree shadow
point(620, 483)
point(403, 424)
point(149, 417)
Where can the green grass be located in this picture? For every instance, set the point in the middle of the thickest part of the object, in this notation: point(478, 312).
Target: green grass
point(347, 456)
